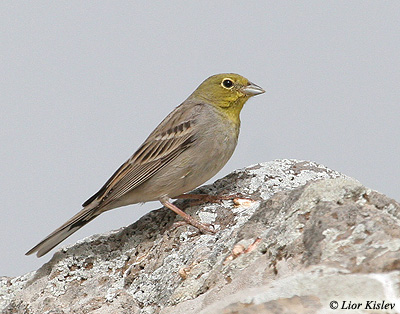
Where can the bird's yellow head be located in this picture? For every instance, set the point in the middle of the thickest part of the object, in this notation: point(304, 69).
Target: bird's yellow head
point(228, 92)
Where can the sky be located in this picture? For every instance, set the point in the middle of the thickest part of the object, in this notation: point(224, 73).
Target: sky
point(84, 82)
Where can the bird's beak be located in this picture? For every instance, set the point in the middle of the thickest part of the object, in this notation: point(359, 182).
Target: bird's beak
point(252, 90)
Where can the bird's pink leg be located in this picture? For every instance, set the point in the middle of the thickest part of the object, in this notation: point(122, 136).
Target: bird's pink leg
point(189, 219)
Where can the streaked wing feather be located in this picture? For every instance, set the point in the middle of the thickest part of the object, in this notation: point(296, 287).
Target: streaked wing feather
point(155, 153)
point(140, 173)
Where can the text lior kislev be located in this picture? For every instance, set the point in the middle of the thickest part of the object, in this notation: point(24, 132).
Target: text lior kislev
point(366, 305)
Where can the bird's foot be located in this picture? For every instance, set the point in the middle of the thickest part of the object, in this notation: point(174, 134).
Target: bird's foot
point(204, 228)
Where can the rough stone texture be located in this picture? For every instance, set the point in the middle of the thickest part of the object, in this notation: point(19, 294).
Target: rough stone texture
point(310, 236)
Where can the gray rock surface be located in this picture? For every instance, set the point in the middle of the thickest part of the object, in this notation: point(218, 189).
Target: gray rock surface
point(309, 236)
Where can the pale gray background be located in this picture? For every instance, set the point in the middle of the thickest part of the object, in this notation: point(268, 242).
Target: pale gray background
point(83, 84)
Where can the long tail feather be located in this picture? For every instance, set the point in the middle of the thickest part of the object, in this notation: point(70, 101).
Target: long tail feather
point(63, 232)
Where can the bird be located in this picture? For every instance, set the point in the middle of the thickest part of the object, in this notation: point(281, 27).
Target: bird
point(186, 149)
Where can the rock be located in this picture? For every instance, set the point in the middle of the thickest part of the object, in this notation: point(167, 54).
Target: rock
point(310, 239)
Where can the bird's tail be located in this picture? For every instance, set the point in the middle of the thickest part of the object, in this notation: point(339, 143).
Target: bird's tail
point(63, 232)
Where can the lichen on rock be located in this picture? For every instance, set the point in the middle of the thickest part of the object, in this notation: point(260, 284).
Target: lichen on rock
point(304, 235)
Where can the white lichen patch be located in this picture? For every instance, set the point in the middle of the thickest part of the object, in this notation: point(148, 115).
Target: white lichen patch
point(207, 217)
point(280, 175)
point(10, 286)
point(244, 213)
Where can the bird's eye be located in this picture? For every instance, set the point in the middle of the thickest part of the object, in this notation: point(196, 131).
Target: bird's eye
point(227, 83)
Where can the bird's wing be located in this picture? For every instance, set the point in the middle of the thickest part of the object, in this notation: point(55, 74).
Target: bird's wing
point(171, 137)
